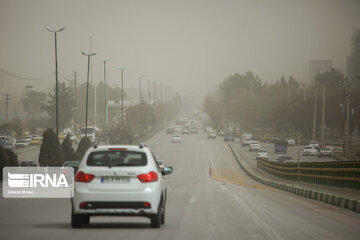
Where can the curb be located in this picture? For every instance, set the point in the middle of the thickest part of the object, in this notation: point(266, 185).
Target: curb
point(328, 198)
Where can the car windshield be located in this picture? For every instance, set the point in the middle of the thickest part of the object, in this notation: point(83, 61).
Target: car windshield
point(116, 159)
point(308, 148)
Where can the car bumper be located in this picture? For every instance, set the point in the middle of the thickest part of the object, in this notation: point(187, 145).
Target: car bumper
point(116, 203)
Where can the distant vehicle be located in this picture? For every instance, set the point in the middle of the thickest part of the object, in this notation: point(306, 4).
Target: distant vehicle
point(291, 141)
point(254, 146)
point(314, 144)
point(3, 141)
point(229, 137)
point(324, 152)
point(22, 143)
point(35, 140)
point(309, 151)
point(246, 135)
point(194, 131)
point(28, 138)
point(266, 138)
point(246, 141)
point(275, 139)
point(212, 134)
point(262, 154)
point(91, 133)
point(286, 159)
point(9, 145)
point(73, 164)
point(28, 163)
point(186, 131)
point(176, 139)
point(221, 133)
point(280, 146)
point(170, 131)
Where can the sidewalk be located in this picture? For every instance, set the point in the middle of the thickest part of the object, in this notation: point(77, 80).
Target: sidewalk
point(336, 191)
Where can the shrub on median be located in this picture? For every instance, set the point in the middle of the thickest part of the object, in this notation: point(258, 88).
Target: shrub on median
point(4, 160)
point(83, 146)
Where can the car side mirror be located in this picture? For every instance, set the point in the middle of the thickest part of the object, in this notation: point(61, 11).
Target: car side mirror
point(167, 170)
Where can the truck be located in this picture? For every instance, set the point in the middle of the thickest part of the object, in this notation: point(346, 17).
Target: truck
point(280, 146)
point(91, 132)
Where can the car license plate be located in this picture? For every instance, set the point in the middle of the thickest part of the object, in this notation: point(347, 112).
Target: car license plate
point(115, 180)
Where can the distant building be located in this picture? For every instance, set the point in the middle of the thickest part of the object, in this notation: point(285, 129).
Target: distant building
point(319, 66)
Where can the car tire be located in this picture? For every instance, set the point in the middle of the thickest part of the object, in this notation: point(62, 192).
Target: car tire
point(76, 220)
point(156, 219)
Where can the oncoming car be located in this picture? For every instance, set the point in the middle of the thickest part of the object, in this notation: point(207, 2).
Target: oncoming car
point(119, 180)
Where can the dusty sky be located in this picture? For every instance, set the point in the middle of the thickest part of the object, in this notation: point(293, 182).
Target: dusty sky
point(190, 44)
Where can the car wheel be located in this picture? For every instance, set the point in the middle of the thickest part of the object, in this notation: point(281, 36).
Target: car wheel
point(76, 220)
point(156, 219)
point(163, 216)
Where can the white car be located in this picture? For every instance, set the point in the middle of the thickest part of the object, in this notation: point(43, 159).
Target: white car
point(291, 141)
point(22, 143)
point(314, 144)
point(212, 135)
point(176, 139)
point(119, 180)
point(254, 146)
point(309, 151)
point(262, 154)
point(246, 141)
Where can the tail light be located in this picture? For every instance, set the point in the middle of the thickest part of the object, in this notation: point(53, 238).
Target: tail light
point(148, 177)
point(84, 177)
point(147, 205)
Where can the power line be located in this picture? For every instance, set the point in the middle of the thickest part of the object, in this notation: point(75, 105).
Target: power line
point(26, 78)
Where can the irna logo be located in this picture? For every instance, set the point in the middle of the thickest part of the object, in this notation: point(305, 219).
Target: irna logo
point(43, 180)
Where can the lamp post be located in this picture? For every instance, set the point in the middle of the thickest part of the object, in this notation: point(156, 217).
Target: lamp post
point(140, 88)
point(106, 105)
point(56, 78)
point(122, 94)
point(87, 89)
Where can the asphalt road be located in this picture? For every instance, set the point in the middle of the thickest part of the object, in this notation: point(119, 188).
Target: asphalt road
point(209, 197)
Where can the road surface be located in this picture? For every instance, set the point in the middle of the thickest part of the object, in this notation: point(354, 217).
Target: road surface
point(209, 197)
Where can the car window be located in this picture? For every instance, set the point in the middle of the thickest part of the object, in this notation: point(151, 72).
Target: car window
point(117, 159)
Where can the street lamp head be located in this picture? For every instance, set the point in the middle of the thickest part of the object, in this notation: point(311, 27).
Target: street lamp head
point(107, 60)
point(88, 54)
point(122, 68)
point(51, 30)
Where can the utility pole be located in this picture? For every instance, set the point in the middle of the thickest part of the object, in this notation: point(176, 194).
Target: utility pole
point(347, 119)
point(149, 92)
point(106, 105)
point(154, 94)
point(7, 101)
point(122, 95)
point(140, 89)
point(323, 115)
point(315, 111)
point(89, 55)
point(56, 78)
point(75, 100)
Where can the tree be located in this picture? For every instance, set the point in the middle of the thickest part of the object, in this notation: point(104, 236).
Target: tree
point(122, 134)
point(32, 103)
point(83, 146)
point(67, 149)
point(4, 160)
point(140, 117)
point(50, 151)
point(13, 159)
point(9, 128)
point(66, 106)
point(213, 109)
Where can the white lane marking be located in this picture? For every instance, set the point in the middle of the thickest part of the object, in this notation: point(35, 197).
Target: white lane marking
point(270, 232)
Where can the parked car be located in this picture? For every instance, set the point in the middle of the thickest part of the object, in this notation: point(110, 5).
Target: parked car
point(254, 146)
point(324, 152)
point(286, 159)
point(185, 131)
point(22, 143)
point(194, 131)
point(291, 142)
point(221, 133)
point(309, 151)
point(119, 180)
point(314, 144)
point(73, 164)
point(262, 154)
point(229, 137)
point(176, 139)
point(28, 163)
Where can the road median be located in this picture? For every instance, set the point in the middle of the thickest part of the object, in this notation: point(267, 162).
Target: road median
point(315, 194)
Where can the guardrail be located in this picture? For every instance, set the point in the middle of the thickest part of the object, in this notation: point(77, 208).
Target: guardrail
point(340, 174)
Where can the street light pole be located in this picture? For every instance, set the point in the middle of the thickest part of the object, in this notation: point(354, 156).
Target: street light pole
point(323, 116)
point(122, 95)
point(106, 105)
point(87, 89)
point(56, 78)
point(140, 88)
point(315, 113)
point(149, 92)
